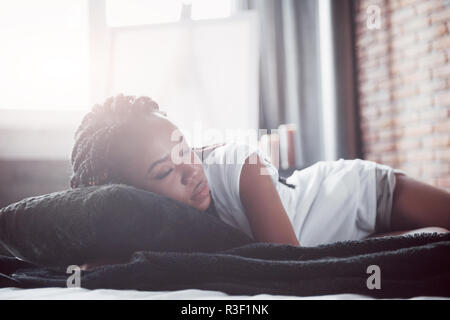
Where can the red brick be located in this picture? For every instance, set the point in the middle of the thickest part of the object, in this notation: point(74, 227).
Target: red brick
point(404, 67)
point(408, 2)
point(404, 88)
point(378, 97)
point(443, 182)
point(408, 144)
point(423, 101)
point(441, 43)
point(429, 180)
point(403, 41)
point(442, 99)
point(421, 156)
point(394, 5)
point(367, 87)
point(382, 36)
point(418, 49)
point(398, 16)
point(440, 16)
point(384, 84)
point(370, 137)
point(370, 112)
point(384, 123)
point(373, 74)
point(397, 30)
point(415, 24)
point(434, 114)
point(441, 72)
point(372, 157)
point(383, 147)
point(417, 76)
point(365, 39)
point(436, 169)
point(412, 170)
point(447, 53)
point(432, 86)
point(442, 127)
point(432, 32)
point(389, 159)
point(425, 7)
point(417, 130)
point(405, 91)
point(432, 60)
point(401, 157)
point(375, 51)
point(436, 141)
point(442, 155)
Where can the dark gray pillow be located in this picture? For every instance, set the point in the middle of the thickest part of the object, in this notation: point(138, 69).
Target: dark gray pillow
point(80, 225)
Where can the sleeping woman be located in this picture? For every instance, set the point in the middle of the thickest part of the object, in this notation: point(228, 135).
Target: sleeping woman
point(129, 140)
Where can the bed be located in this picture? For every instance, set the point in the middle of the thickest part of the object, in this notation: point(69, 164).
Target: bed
point(175, 252)
point(187, 294)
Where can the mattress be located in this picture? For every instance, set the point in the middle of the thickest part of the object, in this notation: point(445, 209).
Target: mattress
point(189, 294)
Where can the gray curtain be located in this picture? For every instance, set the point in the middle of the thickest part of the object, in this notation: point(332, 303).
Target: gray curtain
point(349, 144)
point(290, 80)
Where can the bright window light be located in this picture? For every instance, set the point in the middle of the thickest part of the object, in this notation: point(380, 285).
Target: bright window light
point(44, 55)
point(210, 9)
point(138, 12)
point(327, 80)
point(204, 75)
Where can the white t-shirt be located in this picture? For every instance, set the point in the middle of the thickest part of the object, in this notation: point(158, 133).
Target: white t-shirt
point(332, 200)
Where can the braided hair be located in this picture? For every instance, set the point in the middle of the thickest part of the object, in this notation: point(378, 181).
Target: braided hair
point(97, 139)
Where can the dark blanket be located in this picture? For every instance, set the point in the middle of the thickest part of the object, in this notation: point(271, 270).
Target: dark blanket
point(409, 266)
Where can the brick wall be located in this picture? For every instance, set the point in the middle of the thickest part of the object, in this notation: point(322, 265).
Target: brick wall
point(404, 86)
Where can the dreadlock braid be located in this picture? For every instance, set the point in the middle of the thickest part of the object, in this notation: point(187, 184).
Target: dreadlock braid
point(96, 136)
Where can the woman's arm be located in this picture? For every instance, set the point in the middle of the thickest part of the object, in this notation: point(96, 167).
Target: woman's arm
point(265, 212)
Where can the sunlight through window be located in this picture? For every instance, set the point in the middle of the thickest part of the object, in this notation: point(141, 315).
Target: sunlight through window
point(140, 12)
point(44, 56)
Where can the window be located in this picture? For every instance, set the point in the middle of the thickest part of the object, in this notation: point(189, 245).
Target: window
point(141, 12)
point(44, 55)
point(196, 58)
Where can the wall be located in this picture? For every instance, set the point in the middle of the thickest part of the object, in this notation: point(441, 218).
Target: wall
point(20, 179)
point(404, 86)
point(35, 150)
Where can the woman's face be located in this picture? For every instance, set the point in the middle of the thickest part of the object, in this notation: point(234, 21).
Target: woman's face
point(167, 165)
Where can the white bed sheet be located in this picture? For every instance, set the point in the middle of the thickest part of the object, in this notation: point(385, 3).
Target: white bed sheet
point(194, 294)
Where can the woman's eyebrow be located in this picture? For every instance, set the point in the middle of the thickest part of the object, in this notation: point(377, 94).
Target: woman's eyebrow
point(163, 159)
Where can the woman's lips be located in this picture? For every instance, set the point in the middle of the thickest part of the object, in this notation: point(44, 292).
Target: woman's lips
point(201, 191)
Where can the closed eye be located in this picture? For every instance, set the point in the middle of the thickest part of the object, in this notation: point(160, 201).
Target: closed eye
point(160, 177)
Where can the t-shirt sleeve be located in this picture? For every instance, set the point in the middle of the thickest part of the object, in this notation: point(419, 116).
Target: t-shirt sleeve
point(232, 158)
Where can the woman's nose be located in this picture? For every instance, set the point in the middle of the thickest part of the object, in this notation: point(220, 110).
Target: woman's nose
point(189, 173)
